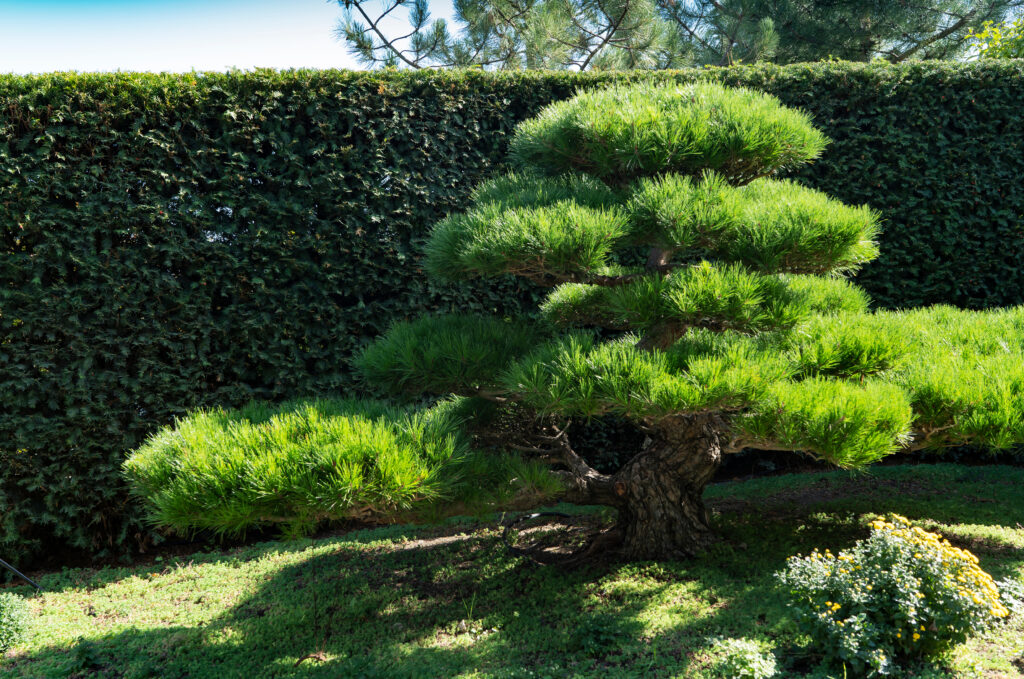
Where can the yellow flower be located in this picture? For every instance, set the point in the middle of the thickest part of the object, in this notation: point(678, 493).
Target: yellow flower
point(916, 636)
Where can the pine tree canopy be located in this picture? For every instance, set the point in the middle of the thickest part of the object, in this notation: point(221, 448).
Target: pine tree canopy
point(658, 34)
point(686, 280)
point(623, 133)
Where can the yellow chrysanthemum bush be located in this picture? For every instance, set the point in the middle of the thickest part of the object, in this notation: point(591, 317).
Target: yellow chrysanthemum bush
point(900, 593)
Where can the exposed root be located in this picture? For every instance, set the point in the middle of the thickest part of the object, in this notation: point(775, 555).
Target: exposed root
point(582, 542)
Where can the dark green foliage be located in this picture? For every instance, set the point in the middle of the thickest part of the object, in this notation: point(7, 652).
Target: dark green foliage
point(722, 32)
point(449, 353)
point(174, 242)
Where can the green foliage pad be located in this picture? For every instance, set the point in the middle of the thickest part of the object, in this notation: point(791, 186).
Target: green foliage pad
point(301, 463)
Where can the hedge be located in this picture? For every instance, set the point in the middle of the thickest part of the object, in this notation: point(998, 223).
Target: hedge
point(176, 241)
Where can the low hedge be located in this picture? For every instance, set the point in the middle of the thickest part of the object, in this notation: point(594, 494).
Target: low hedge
point(172, 242)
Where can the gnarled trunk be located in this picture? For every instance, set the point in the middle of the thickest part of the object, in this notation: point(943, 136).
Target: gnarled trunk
point(661, 510)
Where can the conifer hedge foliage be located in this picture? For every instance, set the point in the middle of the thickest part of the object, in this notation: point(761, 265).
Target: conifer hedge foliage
point(176, 241)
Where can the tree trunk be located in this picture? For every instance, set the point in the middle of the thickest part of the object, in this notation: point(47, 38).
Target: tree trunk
point(661, 510)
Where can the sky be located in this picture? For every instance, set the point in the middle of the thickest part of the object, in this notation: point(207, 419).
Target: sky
point(170, 35)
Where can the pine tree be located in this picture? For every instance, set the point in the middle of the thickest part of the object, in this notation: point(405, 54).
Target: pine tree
point(696, 294)
point(790, 31)
point(656, 34)
point(513, 34)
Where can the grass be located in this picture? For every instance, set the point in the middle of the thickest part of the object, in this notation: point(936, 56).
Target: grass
point(447, 600)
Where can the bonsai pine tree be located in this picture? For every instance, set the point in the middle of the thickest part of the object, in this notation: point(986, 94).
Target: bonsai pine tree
point(696, 294)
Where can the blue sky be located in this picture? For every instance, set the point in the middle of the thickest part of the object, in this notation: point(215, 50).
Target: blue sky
point(170, 35)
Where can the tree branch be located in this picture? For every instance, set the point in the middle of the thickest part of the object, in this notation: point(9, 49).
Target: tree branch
point(607, 35)
point(584, 484)
point(953, 28)
point(374, 27)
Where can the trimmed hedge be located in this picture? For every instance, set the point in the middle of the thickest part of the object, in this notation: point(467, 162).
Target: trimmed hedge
point(181, 241)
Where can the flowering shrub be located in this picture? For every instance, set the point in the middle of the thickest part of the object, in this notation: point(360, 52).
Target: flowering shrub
point(902, 592)
point(742, 659)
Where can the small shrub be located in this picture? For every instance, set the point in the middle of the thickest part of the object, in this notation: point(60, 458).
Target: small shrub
point(598, 633)
point(1011, 592)
point(14, 619)
point(902, 592)
point(742, 659)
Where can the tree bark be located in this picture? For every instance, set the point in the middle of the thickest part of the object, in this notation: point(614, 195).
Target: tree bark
point(661, 509)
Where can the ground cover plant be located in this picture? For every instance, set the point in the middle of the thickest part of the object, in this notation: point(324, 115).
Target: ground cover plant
point(448, 601)
point(14, 620)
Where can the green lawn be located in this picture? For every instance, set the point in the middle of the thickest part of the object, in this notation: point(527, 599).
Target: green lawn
point(443, 601)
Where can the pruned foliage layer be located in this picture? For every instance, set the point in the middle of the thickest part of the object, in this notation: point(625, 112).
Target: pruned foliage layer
point(300, 463)
point(850, 387)
point(621, 133)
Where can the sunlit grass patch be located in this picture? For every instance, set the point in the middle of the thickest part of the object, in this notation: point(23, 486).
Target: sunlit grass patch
point(448, 601)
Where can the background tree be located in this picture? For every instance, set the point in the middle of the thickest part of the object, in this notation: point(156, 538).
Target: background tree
point(1000, 41)
point(787, 31)
point(583, 34)
point(552, 34)
point(699, 297)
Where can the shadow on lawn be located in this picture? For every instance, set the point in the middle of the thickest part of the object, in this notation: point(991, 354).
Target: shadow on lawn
point(453, 604)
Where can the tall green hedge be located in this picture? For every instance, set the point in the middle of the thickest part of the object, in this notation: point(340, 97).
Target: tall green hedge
point(174, 241)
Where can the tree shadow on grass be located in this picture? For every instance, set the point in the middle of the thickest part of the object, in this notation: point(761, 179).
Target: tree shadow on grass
point(455, 604)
